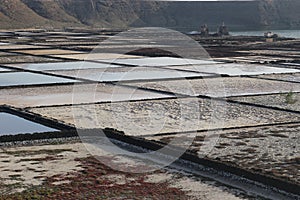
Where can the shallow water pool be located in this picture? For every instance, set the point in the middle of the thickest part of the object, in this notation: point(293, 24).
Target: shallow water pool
point(63, 66)
point(27, 78)
point(11, 125)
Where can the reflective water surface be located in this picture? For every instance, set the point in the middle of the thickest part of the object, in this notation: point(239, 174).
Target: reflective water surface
point(11, 124)
point(27, 78)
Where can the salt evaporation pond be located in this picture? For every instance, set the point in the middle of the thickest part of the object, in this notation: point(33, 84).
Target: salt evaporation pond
point(233, 69)
point(63, 66)
point(27, 78)
point(134, 74)
point(160, 61)
point(11, 125)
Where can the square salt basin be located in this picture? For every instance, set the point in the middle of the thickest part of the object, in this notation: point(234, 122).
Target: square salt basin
point(95, 56)
point(220, 87)
point(27, 78)
point(160, 61)
point(149, 117)
point(12, 125)
point(233, 69)
point(127, 74)
point(61, 66)
point(73, 94)
point(295, 77)
point(47, 51)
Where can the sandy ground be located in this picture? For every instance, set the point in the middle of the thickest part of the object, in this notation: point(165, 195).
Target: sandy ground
point(29, 166)
point(23, 168)
point(27, 59)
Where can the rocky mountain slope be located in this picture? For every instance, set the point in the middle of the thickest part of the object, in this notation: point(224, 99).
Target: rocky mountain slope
point(125, 13)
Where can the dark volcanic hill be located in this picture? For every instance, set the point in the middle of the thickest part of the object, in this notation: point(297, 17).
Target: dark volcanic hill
point(126, 13)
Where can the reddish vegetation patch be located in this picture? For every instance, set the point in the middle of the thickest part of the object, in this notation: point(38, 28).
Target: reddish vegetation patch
point(92, 183)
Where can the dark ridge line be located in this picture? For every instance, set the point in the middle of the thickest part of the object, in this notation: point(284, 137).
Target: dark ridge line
point(103, 102)
point(37, 136)
point(41, 56)
point(279, 64)
point(10, 54)
point(68, 59)
point(38, 85)
point(225, 99)
point(222, 129)
point(178, 95)
point(160, 79)
point(112, 63)
point(45, 85)
point(59, 58)
point(279, 80)
point(254, 95)
point(263, 106)
point(248, 104)
point(258, 95)
point(67, 46)
point(167, 79)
